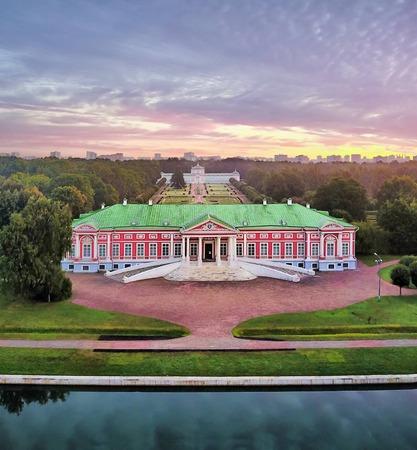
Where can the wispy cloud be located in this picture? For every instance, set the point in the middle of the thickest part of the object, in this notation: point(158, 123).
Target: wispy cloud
point(237, 77)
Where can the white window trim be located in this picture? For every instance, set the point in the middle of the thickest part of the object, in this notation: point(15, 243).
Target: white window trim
point(276, 245)
point(126, 245)
point(101, 246)
point(153, 246)
point(302, 245)
point(289, 245)
point(140, 254)
point(165, 246)
point(263, 245)
point(253, 246)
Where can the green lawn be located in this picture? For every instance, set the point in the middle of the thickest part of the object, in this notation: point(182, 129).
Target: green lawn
point(31, 320)
point(369, 260)
point(266, 363)
point(387, 318)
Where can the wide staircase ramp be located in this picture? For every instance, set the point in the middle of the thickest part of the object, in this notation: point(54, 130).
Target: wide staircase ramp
point(143, 270)
point(274, 269)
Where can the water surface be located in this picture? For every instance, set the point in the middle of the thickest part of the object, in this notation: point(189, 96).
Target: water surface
point(45, 419)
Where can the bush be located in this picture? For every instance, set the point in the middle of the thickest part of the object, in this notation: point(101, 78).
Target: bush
point(400, 276)
point(407, 260)
point(413, 272)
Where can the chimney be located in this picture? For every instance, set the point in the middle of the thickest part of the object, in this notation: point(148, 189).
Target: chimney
point(289, 201)
point(150, 202)
point(103, 205)
point(125, 201)
point(264, 202)
point(308, 205)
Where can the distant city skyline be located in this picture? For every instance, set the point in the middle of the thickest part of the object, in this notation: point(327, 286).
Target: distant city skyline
point(228, 78)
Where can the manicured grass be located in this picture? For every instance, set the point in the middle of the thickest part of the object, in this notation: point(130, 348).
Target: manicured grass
point(369, 260)
point(255, 363)
point(20, 318)
point(391, 316)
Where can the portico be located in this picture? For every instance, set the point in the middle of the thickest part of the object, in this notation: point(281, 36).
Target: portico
point(215, 248)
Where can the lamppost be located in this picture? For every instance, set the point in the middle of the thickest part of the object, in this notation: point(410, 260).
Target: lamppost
point(378, 261)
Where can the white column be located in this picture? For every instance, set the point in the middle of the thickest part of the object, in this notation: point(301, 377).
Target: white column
point(245, 251)
point(321, 244)
point(218, 257)
point(351, 246)
point(77, 245)
point(188, 249)
point(200, 251)
point(171, 250)
point(307, 250)
point(229, 249)
point(96, 246)
point(339, 244)
point(108, 246)
point(234, 240)
point(183, 248)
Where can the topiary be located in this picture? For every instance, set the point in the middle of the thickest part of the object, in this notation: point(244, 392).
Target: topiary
point(400, 276)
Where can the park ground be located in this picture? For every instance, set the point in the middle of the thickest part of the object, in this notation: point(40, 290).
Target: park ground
point(344, 302)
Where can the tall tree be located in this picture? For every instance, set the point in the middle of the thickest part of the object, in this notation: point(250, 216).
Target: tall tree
point(342, 193)
point(397, 187)
point(71, 196)
point(399, 218)
point(177, 179)
point(31, 249)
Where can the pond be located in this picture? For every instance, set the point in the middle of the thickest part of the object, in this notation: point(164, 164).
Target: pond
point(58, 419)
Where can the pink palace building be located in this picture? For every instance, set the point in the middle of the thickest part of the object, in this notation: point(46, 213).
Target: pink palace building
point(123, 235)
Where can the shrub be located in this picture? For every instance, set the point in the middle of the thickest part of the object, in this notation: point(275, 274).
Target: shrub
point(407, 260)
point(400, 276)
point(413, 272)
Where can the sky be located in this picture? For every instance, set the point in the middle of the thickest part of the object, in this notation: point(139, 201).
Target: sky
point(227, 77)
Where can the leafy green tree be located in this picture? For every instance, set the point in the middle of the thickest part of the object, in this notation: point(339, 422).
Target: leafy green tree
point(71, 196)
point(177, 179)
point(399, 218)
point(400, 276)
point(342, 214)
point(81, 182)
point(397, 187)
point(342, 193)
point(31, 248)
point(371, 238)
point(413, 272)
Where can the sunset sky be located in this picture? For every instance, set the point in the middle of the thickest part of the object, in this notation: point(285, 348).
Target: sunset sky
point(237, 77)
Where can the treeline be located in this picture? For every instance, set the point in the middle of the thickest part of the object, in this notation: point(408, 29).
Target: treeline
point(84, 185)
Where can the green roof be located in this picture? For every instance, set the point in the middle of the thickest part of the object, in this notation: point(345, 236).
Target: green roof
point(181, 216)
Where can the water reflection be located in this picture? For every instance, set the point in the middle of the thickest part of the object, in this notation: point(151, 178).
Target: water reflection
point(213, 420)
point(15, 400)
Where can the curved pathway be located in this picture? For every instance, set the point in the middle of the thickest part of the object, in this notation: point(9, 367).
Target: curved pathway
point(212, 309)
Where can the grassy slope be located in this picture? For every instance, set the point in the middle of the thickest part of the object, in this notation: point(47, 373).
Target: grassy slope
point(372, 318)
point(19, 318)
point(300, 362)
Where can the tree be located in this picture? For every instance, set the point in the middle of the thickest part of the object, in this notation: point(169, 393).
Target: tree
point(31, 249)
point(370, 238)
point(396, 187)
point(342, 193)
point(407, 260)
point(399, 218)
point(413, 272)
point(177, 179)
point(71, 196)
point(400, 276)
point(342, 214)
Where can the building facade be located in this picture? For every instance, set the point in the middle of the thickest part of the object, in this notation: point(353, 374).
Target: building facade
point(199, 176)
point(120, 236)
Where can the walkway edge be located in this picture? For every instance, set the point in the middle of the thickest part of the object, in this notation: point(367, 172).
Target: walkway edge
point(185, 381)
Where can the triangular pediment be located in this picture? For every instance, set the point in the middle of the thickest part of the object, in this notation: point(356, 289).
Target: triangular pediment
point(85, 227)
point(208, 224)
point(332, 226)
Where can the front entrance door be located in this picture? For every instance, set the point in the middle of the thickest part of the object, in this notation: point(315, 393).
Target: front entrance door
point(208, 251)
